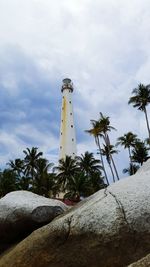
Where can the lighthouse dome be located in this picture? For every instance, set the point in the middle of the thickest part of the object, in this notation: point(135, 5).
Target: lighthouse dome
point(67, 84)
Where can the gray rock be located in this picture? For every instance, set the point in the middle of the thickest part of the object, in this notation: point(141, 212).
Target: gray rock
point(21, 212)
point(109, 229)
point(144, 262)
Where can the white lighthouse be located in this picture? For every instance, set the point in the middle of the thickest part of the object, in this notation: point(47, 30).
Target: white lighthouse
point(67, 129)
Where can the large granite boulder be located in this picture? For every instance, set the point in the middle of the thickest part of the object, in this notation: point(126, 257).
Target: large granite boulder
point(21, 212)
point(144, 262)
point(110, 229)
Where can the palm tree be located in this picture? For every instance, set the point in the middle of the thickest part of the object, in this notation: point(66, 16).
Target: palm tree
point(140, 152)
point(42, 178)
point(66, 171)
point(17, 166)
point(141, 99)
point(30, 161)
point(128, 140)
point(104, 128)
point(95, 131)
point(107, 151)
point(84, 186)
point(79, 186)
point(88, 164)
point(91, 169)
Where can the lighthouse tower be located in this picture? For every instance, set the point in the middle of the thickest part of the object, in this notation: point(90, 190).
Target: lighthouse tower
point(67, 129)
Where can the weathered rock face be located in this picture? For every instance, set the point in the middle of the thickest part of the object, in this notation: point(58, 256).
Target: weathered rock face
point(21, 212)
point(109, 229)
point(144, 262)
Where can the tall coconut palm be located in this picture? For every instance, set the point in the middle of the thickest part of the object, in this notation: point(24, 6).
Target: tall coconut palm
point(66, 171)
point(95, 132)
point(128, 140)
point(88, 164)
point(30, 160)
point(140, 152)
point(105, 127)
point(108, 151)
point(141, 100)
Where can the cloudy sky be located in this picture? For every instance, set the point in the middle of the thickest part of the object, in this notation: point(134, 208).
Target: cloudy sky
point(102, 45)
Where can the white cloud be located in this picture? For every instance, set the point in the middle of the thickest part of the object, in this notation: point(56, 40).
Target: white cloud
point(102, 45)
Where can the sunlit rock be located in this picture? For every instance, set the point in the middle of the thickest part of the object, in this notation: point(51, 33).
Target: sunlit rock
point(109, 229)
point(21, 212)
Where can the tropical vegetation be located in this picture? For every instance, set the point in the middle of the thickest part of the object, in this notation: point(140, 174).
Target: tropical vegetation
point(75, 178)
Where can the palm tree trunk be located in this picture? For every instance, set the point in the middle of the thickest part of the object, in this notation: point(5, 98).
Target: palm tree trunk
point(147, 122)
point(107, 142)
point(132, 171)
point(114, 165)
point(32, 175)
point(113, 176)
point(98, 143)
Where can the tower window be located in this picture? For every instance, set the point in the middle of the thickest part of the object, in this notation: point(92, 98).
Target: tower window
point(61, 133)
point(61, 120)
point(60, 147)
point(72, 139)
point(70, 102)
point(70, 113)
point(71, 126)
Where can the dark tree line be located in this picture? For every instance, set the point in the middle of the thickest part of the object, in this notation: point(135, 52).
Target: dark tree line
point(76, 178)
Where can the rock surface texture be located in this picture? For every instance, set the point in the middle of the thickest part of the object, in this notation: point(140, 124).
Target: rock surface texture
point(109, 229)
point(144, 262)
point(21, 212)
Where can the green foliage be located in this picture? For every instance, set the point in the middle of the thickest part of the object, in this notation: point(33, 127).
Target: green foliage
point(30, 161)
point(95, 131)
point(75, 177)
point(140, 152)
point(100, 131)
point(66, 170)
point(88, 164)
point(127, 140)
point(109, 150)
point(141, 97)
point(8, 182)
point(141, 100)
point(80, 176)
